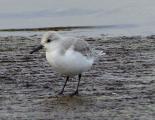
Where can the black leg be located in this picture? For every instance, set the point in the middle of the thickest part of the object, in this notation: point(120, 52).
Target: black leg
point(64, 86)
point(77, 90)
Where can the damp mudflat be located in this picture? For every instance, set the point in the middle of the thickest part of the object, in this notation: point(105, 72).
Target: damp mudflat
point(120, 85)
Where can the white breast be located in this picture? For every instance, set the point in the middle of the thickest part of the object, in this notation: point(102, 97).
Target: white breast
point(70, 63)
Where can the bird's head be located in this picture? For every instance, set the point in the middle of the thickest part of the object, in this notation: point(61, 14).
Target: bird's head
point(46, 41)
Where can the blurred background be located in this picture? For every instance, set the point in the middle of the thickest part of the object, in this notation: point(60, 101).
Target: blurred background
point(125, 17)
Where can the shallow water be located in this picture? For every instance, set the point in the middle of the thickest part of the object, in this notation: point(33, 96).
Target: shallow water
point(119, 86)
point(49, 13)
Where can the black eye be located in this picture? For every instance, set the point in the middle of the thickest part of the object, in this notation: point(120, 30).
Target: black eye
point(48, 40)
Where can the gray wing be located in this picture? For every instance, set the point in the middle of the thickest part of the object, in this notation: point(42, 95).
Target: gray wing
point(82, 47)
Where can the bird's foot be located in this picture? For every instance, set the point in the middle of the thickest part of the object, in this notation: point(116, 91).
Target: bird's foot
point(75, 93)
point(60, 93)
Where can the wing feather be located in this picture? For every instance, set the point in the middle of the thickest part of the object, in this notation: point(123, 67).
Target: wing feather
point(83, 47)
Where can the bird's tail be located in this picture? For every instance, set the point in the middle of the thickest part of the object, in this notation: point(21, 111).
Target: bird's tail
point(98, 54)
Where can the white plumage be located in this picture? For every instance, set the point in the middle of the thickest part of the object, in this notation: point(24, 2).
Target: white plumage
point(69, 56)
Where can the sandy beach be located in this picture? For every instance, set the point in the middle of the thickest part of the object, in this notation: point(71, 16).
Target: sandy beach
point(120, 85)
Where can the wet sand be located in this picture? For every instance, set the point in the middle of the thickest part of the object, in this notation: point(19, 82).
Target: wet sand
point(120, 86)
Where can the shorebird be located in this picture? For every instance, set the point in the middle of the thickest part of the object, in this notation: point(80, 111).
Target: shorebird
point(69, 56)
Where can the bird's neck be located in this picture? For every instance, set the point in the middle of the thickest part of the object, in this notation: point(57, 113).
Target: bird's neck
point(55, 47)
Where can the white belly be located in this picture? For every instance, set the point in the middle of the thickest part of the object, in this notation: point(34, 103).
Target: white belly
point(71, 63)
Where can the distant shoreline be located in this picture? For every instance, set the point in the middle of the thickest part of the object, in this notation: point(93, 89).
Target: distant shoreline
point(61, 28)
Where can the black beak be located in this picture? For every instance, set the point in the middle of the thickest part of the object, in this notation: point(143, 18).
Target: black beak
point(37, 49)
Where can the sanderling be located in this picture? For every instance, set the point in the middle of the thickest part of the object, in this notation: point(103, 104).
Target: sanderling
point(67, 55)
